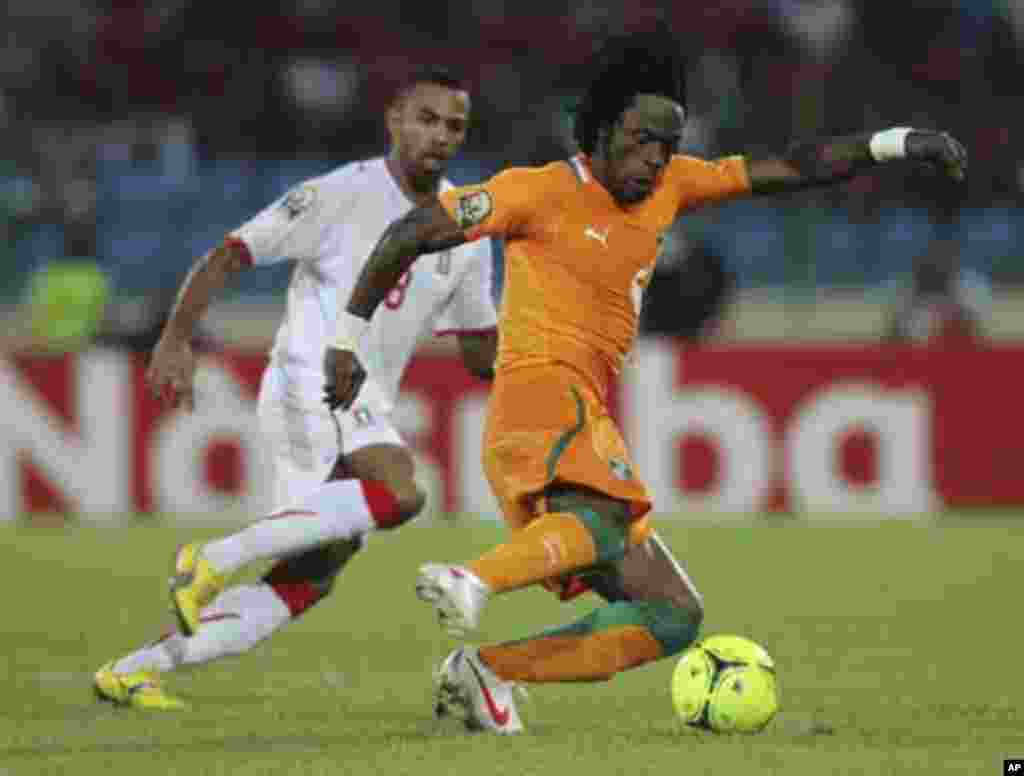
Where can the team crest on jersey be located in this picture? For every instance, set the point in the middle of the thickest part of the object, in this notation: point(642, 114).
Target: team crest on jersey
point(620, 469)
point(473, 208)
point(298, 201)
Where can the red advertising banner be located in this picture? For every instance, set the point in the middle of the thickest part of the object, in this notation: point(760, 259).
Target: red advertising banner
point(847, 428)
point(877, 429)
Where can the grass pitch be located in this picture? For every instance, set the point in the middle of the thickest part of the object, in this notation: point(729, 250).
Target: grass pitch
point(898, 648)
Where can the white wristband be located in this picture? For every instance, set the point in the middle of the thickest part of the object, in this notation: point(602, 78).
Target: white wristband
point(348, 331)
point(889, 144)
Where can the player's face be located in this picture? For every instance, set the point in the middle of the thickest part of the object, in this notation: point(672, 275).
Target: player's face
point(428, 125)
point(640, 146)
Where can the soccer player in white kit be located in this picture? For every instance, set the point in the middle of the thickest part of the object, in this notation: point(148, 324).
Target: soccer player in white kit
point(338, 476)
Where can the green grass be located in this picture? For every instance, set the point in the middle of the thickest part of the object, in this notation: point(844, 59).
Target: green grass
point(898, 648)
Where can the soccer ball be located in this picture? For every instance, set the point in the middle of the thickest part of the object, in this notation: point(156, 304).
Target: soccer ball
point(725, 684)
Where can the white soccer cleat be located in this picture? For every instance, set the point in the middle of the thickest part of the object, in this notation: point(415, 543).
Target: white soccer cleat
point(487, 702)
point(457, 593)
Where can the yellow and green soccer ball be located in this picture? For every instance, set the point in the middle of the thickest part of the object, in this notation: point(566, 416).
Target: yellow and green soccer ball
point(725, 684)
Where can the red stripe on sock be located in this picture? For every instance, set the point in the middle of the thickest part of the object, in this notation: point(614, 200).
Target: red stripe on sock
point(297, 596)
point(164, 636)
point(221, 616)
point(292, 513)
point(383, 505)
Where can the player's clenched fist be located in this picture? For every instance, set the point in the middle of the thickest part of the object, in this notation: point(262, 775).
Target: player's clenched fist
point(344, 376)
point(172, 370)
point(343, 373)
point(940, 149)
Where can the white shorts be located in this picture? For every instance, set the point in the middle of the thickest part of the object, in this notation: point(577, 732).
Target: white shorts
point(305, 441)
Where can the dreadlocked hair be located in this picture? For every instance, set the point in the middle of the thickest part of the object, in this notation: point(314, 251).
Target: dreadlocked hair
point(625, 66)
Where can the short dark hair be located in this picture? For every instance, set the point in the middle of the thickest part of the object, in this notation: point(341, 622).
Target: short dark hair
point(428, 74)
point(625, 66)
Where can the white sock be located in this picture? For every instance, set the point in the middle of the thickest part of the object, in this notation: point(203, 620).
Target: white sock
point(335, 510)
point(237, 620)
point(152, 657)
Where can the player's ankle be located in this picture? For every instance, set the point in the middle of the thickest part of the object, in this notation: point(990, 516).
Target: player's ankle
point(481, 656)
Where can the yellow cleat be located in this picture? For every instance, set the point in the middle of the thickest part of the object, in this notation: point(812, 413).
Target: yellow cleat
point(193, 586)
point(140, 689)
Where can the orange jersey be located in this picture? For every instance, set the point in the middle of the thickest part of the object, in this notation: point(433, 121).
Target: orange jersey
point(576, 262)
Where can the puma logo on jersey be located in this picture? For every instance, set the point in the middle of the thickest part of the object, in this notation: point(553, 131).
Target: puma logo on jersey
point(593, 234)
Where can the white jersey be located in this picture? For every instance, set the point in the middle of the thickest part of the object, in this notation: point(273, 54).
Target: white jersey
point(329, 226)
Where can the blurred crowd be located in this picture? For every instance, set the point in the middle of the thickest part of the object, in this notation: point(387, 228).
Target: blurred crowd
point(91, 91)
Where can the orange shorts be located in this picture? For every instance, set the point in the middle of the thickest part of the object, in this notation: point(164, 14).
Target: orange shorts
point(546, 424)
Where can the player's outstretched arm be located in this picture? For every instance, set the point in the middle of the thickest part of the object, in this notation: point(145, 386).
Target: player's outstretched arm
point(817, 163)
point(425, 229)
point(172, 365)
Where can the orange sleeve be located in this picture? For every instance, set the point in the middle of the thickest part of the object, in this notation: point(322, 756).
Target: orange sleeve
point(700, 182)
point(497, 207)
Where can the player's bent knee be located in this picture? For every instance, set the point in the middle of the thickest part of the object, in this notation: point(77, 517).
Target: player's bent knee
point(410, 499)
point(392, 503)
point(692, 604)
point(675, 627)
point(303, 580)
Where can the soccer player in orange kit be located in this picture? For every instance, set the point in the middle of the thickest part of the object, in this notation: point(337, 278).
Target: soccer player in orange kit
point(581, 240)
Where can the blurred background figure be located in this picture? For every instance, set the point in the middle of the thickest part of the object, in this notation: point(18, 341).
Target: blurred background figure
point(136, 324)
point(690, 293)
point(143, 107)
point(941, 301)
